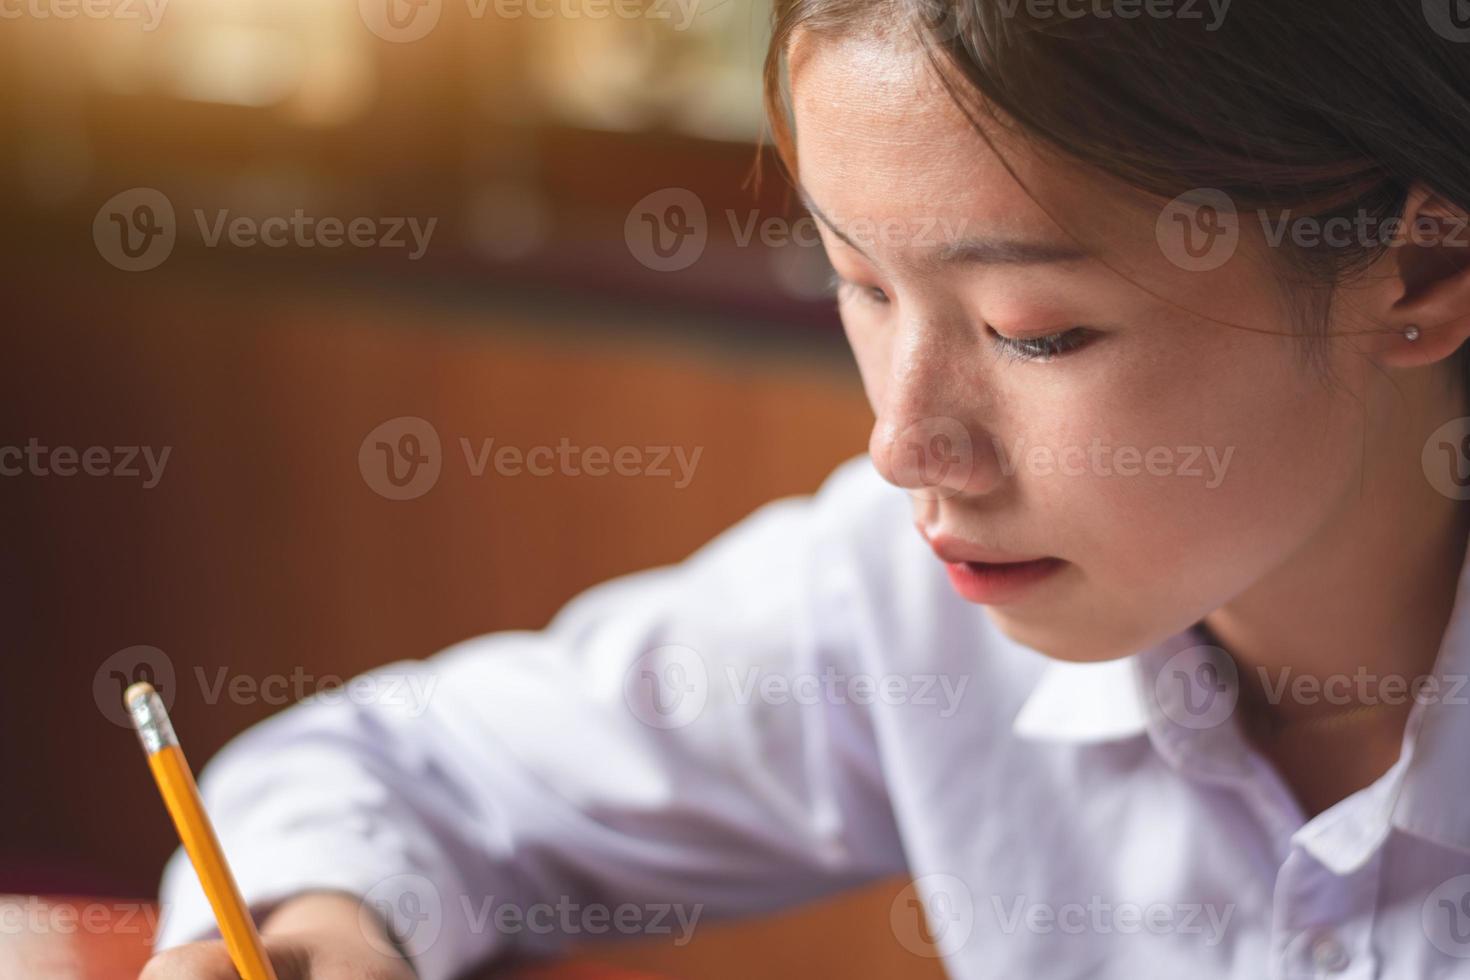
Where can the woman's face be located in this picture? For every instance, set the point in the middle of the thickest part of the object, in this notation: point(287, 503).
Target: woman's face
point(1168, 461)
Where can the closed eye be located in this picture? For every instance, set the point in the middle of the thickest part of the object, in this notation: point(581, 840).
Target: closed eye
point(1044, 348)
point(845, 289)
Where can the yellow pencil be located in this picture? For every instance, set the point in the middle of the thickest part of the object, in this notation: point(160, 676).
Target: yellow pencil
point(181, 796)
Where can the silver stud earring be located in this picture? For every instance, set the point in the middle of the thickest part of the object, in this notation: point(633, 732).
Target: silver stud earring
point(1411, 333)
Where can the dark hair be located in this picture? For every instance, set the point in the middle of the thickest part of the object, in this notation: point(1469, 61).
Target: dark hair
point(1326, 108)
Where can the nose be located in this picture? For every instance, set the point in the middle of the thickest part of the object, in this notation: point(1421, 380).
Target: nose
point(929, 436)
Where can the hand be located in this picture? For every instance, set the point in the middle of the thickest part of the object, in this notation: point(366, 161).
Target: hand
point(314, 937)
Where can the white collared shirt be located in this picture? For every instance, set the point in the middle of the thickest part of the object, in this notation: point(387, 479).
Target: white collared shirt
point(805, 705)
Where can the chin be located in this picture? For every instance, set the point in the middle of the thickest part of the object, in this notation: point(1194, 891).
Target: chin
point(1074, 643)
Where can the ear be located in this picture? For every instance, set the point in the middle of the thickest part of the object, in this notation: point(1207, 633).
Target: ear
point(1431, 265)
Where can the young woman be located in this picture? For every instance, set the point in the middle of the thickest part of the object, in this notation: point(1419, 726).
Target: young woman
point(1158, 666)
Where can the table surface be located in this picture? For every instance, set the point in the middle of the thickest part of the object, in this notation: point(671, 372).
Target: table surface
point(47, 938)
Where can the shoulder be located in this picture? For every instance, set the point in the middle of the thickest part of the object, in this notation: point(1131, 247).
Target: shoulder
point(794, 550)
point(853, 503)
point(837, 579)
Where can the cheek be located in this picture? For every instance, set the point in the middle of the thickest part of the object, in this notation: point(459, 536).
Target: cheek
point(1191, 474)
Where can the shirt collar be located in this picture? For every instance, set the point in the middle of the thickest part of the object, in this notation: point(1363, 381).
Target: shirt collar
point(1432, 800)
point(1180, 692)
point(1097, 702)
point(1083, 703)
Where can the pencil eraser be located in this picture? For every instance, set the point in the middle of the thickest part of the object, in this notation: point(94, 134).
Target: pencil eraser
point(137, 692)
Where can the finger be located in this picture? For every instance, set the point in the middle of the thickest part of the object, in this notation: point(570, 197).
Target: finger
point(211, 961)
point(197, 961)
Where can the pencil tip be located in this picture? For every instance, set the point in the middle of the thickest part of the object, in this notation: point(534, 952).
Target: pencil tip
point(136, 693)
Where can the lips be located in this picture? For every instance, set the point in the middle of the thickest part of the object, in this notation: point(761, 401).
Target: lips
point(988, 576)
point(953, 551)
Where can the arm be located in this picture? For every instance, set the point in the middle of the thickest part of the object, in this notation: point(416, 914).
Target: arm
point(520, 789)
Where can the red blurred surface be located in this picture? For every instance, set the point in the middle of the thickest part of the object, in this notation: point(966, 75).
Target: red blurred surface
point(97, 939)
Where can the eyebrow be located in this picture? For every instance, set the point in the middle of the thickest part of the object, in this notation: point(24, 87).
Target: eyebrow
point(983, 251)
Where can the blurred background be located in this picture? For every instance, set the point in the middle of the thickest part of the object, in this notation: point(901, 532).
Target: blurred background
point(277, 272)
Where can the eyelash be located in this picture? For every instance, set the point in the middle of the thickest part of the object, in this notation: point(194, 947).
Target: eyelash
point(1040, 349)
point(841, 288)
point(1045, 348)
